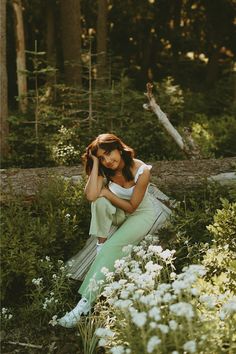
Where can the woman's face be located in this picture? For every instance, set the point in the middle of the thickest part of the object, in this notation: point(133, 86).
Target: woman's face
point(110, 159)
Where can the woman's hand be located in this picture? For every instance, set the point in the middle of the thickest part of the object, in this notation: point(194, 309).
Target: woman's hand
point(93, 157)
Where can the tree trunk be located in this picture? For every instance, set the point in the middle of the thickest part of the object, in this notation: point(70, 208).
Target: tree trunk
point(175, 33)
point(20, 55)
point(71, 40)
point(169, 176)
point(51, 37)
point(102, 43)
point(212, 67)
point(4, 147)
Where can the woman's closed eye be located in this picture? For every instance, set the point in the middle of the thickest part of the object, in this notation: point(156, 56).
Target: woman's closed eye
point(107, 153)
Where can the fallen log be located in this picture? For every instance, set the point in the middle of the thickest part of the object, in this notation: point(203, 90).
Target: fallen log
point(182, 175)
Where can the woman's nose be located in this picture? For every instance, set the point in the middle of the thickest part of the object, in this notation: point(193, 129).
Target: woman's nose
point(107, 159)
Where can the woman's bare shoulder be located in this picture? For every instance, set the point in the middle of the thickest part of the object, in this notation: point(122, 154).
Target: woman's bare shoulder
point(138, 163)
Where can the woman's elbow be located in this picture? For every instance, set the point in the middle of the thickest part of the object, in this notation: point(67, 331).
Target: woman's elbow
point(91, 197)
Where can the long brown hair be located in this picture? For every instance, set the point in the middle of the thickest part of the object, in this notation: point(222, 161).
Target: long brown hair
point(109, 142)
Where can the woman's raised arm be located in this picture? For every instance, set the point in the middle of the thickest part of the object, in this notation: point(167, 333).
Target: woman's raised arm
point(94, 184)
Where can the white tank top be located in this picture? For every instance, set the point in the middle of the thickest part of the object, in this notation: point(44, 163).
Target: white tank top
point(126, 193)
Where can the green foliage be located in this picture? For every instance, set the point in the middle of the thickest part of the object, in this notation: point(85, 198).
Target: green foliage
point(50, 294)
point(54, 225)
point(68, 121)
point(220, 259)
point(188, 232)
point(64, 151)
point(224, 227)
point(224, 131)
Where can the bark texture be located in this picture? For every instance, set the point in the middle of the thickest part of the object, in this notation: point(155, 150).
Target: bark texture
point(71, 40)
point(169, 176)
point(20, 55)
point(101, 42)
point(4, 148)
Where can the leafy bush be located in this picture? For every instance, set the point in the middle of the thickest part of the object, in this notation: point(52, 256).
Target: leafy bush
point(119, 109)
point(65, 150)
point(224, 227)
point(220, 259)
point(187, 232)
point(55, 225)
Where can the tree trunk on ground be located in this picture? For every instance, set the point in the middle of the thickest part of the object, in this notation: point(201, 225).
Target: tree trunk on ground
point(4, 147)
point(20, 55)
point(169, 176)
point(101, 43)
point(71, 40)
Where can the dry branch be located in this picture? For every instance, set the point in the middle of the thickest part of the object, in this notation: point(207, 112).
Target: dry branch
point(187, 144)
point(26, 345)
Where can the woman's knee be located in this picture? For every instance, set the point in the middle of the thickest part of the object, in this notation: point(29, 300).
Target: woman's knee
point(101, 202)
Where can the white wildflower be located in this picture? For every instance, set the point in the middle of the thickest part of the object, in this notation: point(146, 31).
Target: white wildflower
point(53, 322)
point(127, 249)
point(139, 318)
point(155, 313)
point(167, 254)
point(167, 297)
point(155, 249)
point(141, 253)
point(190, 346)
point(173, 325)
point(208, 300)
point(153, 325)
point(37, 281)
point(4, 310)
point(194, 291)
point(151, 267)
point(119, 349)
point(153, 343)
point(71, 262)
point(182, 309)
point(119, 264)
point(6, 314)
point(102, 342)
point(124, 294)
point(163, 328)
point(104, 332)
point(122, 304)
point(228, 308)
point(173, 275)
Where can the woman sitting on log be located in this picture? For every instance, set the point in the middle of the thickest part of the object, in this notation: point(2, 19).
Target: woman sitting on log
point(124, 201)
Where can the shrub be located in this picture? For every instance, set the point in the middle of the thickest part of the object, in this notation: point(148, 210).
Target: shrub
point(55, 225)
point(187, 232)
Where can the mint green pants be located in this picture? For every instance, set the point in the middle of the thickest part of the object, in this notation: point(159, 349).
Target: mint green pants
point(131, 230)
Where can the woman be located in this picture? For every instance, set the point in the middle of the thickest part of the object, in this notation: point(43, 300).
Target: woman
point(123, 201)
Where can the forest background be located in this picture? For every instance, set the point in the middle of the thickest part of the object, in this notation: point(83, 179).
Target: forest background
point(78, 68)
point(72, 69)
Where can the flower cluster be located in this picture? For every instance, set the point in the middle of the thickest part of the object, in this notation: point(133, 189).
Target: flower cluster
point(160, 310)
point(52, 288)
point(64, 152)
point(6, 314)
